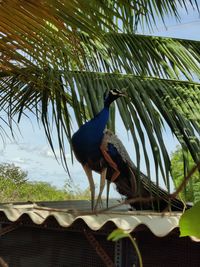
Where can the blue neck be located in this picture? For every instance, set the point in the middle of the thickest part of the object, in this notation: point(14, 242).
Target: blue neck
point(86, 141)
point(100, 120)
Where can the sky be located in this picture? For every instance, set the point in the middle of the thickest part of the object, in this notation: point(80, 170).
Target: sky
point(30, 149)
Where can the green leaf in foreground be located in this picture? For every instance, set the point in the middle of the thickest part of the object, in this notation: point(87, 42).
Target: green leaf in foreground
point(190, 222)
point(118, 234)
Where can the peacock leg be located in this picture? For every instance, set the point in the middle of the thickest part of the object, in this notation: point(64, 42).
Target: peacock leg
point(113, 165)
point(102, 185)
point(88, 172)
point(107, 193)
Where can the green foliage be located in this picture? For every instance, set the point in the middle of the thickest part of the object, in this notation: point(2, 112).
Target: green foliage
point(182, 163)
point(29, 191)
point(12, 173)
point(14, 186)
point(192, 189)
point(76, 192)
point(190, 222)
point(67, 53)
point(118, 234)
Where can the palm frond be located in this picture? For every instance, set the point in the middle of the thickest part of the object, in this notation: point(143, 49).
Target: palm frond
point(142, 55)
point(57, 55)
point(152, 104)
point(95, 15)
point(120, 53)
point(65, 34)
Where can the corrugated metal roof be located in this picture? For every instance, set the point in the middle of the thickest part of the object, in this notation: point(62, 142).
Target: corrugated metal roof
point(159, 224)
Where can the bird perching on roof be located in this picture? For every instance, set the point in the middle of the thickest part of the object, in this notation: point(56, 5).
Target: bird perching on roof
point(86, 143)
point(101, 151)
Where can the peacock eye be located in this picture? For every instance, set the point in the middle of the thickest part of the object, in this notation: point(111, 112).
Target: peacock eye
point(115, 92)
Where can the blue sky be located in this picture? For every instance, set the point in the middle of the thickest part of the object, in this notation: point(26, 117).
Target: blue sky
point(31, 151)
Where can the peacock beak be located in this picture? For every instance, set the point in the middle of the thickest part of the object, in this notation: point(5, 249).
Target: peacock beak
point(123, 92)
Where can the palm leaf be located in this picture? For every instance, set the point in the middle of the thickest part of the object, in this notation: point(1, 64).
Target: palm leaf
point(49, 34)
point(104, 15)
point(58, 55)
point(142, 55)
point(152, 104)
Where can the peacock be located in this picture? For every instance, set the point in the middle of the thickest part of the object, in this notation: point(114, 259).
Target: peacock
point(100, 150)
point(86, 144)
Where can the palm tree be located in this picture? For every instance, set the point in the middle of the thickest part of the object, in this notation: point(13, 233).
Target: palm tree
point(59, 57)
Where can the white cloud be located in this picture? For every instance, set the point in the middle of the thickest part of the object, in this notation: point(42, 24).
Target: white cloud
point(28, 147)
point(48, 153)
point(19, 160)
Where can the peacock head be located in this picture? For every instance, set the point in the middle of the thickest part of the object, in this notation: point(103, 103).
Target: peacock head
point(111, 96)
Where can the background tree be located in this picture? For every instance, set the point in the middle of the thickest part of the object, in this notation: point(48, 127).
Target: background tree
point(192, 189)
point(13, 173)
point(15, 186)
point(57, 56)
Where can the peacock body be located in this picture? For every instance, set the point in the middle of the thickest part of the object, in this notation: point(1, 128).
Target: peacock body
point(87, 140)
point(100, 150)
point(86, 143)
